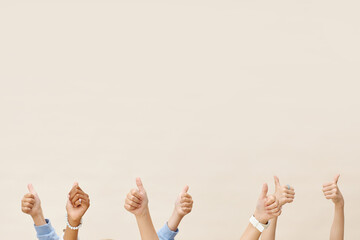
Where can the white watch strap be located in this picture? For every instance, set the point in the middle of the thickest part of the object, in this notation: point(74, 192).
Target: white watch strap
point(258, 225)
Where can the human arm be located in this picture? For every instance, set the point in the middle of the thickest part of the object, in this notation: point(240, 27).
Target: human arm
point(31, 205)
point(332, 191)
point(137, 203)
point(267, 207)
point(77, 204)
point(285, 194)
point(183, 206)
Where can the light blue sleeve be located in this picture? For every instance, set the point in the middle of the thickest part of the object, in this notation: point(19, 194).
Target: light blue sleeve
point(46, 232)
point(166, 234)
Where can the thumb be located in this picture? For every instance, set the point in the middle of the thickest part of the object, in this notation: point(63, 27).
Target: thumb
point(140, 185)
point(336, 179)
point(31, 189)
point(74, 186)
point(264, 190)
point(186, 189)
point(270, 200)
point(277, 181)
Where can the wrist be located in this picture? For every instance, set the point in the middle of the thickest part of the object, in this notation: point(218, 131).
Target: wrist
point(144, 213)
point(339, 201)
point(38, 219)
point(260, 218)
point(339, 205)
point(74, 222)
point(174, 220)
point(178, 214)
point(258, 225)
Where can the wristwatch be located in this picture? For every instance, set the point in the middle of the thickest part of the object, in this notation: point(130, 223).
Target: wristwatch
point(258, 225)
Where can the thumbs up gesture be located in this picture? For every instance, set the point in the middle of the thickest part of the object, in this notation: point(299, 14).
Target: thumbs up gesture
point(31, 204)
point(284, 193)
point(332, 191)
point(184, 202)
point(267, 207)
point(77, 204)
point(137, 201)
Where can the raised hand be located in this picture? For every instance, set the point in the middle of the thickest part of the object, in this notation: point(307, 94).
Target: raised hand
point(267, 206)
point(332, 191)
point(31, 204)
point(284, 193)
point(77, 204)
point(184, 202)
point(183, 206)
point(137, 201)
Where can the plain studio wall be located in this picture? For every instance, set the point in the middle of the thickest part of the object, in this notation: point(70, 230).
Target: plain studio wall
point(219, 95)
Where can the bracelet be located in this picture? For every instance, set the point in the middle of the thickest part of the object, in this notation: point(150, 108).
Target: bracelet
point(71, 227)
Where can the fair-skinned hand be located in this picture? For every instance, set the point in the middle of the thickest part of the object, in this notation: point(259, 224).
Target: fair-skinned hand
point(267, 207)
point(77, 204)
point(332, 191)
point(31, 204)
point(137, 201)
point(183, 206)
point(184, 202)
point(282, 193)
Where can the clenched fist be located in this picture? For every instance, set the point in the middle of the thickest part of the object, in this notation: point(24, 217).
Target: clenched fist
point(137, 201)
point(77, 204)
point(267, 207)
point(332, 191)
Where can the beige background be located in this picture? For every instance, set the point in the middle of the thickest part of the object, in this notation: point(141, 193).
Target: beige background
point(220, 95)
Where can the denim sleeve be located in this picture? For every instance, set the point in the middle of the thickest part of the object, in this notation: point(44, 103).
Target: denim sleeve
point(166, 234)
point(46, 232)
